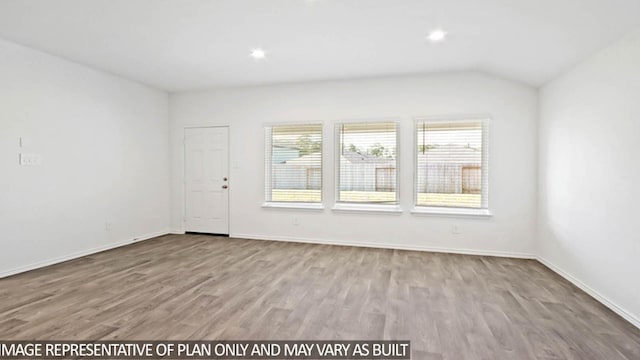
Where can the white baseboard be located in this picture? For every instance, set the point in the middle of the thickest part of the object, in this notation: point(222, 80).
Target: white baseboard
point(593, 293)
point(176, 232)
point(79, 254)
point(388, 246)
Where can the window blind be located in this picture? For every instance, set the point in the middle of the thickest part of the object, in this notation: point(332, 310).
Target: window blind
point(293, 163)
point(452, 163)
point(366, 162)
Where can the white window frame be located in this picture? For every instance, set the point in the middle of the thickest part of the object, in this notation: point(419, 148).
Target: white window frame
point(484, 210)
point(268, 158)
point(340, 206)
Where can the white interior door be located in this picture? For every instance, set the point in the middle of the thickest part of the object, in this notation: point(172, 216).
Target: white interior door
point(207, 180)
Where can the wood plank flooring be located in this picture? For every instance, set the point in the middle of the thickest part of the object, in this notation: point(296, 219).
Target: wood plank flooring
point(195, 287)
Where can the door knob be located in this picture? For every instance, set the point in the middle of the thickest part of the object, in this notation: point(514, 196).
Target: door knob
point(224, 186)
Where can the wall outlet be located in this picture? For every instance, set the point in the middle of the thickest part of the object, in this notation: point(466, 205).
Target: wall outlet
point(454, 229)
point(295, 221)
point(108, 226)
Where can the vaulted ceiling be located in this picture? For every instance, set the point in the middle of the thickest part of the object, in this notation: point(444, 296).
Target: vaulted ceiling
point(182, 45)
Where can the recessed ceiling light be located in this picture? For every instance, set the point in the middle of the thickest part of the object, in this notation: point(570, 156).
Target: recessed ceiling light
point(437, 35)
point(258, 54)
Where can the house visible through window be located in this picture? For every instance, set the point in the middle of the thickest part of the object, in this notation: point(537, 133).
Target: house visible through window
point(451, 164)
point(293, 163)
point(367, 163)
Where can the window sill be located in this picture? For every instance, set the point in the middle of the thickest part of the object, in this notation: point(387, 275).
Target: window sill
point(445, 211)
point(296, 206)
point(368, 208)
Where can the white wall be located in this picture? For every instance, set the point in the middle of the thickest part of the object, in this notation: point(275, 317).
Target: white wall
point(104, 145)
point(590, 175)
point(513, 108)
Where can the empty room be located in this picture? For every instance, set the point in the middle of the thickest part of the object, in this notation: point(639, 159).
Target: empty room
point(320, 179)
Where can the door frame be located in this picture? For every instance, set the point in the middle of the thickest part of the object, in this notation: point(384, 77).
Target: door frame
point(183, 214)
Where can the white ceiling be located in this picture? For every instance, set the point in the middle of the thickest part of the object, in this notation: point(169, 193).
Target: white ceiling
point(190, 44)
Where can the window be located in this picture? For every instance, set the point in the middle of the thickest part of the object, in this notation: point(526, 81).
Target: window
point(366, 163)
point(293, 163)
point(451, 164)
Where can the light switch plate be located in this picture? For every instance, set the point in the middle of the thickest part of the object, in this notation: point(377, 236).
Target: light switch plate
point(30, 159)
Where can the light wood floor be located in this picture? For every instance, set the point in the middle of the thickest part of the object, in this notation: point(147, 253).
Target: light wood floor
point(183, 287)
